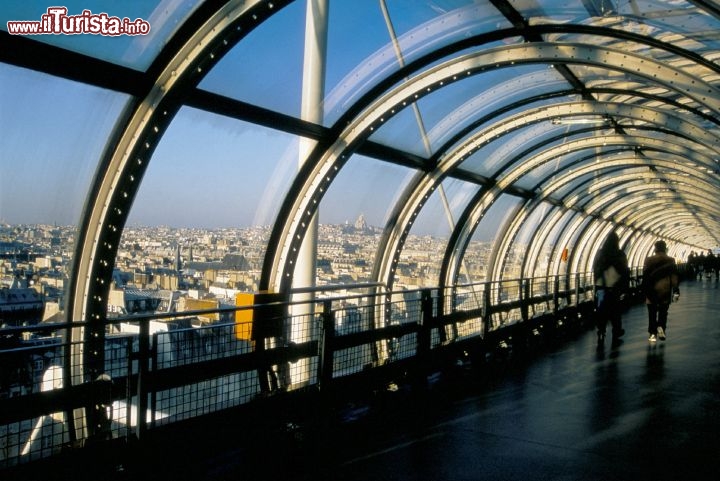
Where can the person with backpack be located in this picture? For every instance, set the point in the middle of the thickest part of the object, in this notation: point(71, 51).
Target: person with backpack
point(612, 275)
point(660, 285)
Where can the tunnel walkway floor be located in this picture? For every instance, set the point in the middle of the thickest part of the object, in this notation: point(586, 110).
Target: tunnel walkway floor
point(578, 411)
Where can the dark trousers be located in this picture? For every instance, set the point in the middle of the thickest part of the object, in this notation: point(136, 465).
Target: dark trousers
point(609, 308)
point(657, 316)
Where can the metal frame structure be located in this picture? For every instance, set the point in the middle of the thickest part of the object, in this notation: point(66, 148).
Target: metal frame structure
point(686, 95)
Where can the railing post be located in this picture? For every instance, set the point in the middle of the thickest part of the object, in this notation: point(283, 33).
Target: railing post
point(577, 289)
point(143, 359)
point(153, 368)
point(325, 366)
point(487, 315)
point(556, 294)
point(441, 312)
point(425, 325)
point(524, 294)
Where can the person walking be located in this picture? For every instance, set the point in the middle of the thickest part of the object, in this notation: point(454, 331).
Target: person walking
point(661, 286)
point(713, 266)
point(611, 274)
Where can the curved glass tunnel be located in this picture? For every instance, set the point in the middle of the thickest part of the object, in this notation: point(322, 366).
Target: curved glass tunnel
point(165, 186)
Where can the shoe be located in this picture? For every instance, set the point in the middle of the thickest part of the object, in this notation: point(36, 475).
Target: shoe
point(652, 338)
point(661, 333)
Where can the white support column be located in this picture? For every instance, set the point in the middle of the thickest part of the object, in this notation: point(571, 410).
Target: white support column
point(313, 92)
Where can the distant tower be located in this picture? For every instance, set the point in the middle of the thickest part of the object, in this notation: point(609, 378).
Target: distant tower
point(360, 223)
point(178, 261)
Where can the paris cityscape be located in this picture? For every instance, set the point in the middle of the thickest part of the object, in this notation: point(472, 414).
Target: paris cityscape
point(173, 270)
point(200, 263)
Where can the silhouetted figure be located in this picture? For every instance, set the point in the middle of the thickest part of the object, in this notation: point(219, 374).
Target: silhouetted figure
point(611, 273)
point(701, 265)
point(660, 286)
point(692, 265)
point(711, 261)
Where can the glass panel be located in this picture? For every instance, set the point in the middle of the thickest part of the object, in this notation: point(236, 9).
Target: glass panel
point(53, 133)
point(491, 158)
point(265, 68)
point(353, 214)
point(601, 78)
point(527, 81)
point(560, 193)
point(558, 164)
point(207, 201)
point(458, 194)
point(452, 108)
point(558, 10)
point(552, 253)
point(422, 255)
point(477, 255)
point(354, 67)
point(677, 15)
point(664, 56)
point(163, 17)
point(519, 248)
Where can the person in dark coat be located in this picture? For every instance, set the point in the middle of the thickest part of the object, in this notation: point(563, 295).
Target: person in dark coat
point(660, 286)
point(711, 260)
point(611, 274)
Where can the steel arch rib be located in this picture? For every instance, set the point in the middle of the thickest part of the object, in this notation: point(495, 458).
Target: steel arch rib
point(126, 158)
point(444, 165)
point(550, 154)
point(644, 114)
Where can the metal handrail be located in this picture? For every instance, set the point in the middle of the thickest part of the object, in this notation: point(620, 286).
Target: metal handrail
point(335, 353)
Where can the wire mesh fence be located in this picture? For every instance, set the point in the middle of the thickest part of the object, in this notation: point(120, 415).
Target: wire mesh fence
point(158, 369)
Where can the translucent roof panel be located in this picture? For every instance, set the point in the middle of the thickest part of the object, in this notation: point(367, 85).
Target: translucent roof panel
point(492, 221)
point(556, 10)
point(641, 15)
point(265, 68)
point(594, 77)
point(492, 157)
point(580, 187)
point(392, 37)
point(446, 111)
point(457, 196)
point(48, 156)
point(539, 80)
point(665, 56)
point(562, 163)
point(161, 18)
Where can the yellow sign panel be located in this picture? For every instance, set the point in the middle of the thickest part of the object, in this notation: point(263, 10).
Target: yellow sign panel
point(244, 317)
point(261, 321)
